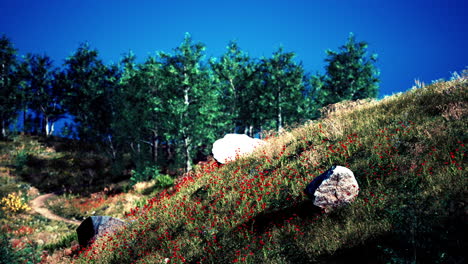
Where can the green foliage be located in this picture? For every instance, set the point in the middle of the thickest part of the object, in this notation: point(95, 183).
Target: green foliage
point(236, 73)
point(406, 151)
point(169, 109)
point(140, 120)
point(28, 254)
point(192, 98)
point(45, 86)
point(145, 174)
point(282, 89)
point(164, 181)
point(89, 86)
point(64, 242)
point(21, 159)
point(10, 80)
point(350, 74)
point(7, 253)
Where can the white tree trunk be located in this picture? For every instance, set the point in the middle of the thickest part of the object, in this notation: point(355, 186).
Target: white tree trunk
point(4, 133)
point(280, 117)
point(52, 128)
point(187, 139)
point(280, 120)
point(188, 148)
point(47, 127)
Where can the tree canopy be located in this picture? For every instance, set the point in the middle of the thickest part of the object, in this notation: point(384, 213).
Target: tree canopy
point(165, 113)
point(350, 74)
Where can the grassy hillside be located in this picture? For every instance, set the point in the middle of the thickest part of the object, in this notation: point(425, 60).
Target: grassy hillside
point(408, 152)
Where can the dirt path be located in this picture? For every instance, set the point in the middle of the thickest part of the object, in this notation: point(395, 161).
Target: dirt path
point(38, 206)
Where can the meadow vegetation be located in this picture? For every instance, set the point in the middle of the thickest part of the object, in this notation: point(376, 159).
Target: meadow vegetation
point(407, 151)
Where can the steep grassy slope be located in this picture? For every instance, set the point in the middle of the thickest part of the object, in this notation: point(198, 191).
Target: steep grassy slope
point(407, 151)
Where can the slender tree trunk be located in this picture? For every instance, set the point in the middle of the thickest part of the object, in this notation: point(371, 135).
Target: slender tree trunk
point(154, 147)
point(188, 150)
point(187, 138)
point(169, 152)
point(47, 132)
point(234, 108)
point(112, 148)
point(47, 127)
point(52, 128)
point(251, 131)
point(280, 117)
point(3, 125)
point(280, 120)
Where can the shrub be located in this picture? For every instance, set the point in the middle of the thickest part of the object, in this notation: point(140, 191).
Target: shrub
point(13, 204)
point(21, 159)
point(164, 181)
point(146, 174)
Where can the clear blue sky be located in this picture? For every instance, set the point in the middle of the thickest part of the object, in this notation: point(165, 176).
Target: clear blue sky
point(414, 39)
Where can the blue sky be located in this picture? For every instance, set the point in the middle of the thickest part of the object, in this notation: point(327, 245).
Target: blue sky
point(424, 40)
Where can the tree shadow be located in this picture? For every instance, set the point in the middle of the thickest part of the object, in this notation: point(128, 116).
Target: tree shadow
point(269, 218)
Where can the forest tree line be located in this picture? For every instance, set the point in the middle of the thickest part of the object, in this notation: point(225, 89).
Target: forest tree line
point(169, 109)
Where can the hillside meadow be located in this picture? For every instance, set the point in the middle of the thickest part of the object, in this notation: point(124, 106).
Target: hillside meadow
point(407, 151)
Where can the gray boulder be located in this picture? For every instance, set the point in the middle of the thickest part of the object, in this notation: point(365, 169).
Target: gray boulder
point(94, 227)
point(334, 188)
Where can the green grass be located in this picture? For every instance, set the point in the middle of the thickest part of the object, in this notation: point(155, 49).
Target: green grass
point(64, 242)
point(407, 151)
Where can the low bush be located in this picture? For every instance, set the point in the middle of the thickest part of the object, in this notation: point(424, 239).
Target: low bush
point(144, 174)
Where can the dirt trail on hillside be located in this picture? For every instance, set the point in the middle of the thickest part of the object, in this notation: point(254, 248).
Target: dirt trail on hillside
point(38, 205)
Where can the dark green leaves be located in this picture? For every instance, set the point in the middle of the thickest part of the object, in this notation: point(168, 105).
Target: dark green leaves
point(351, 75)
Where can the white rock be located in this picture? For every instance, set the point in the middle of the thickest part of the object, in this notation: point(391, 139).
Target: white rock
point(232, 146)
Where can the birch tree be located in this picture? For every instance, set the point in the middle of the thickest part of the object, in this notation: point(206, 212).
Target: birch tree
point(45, 85)
point(283, 94)
point(236, 72)
point(191, 98)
